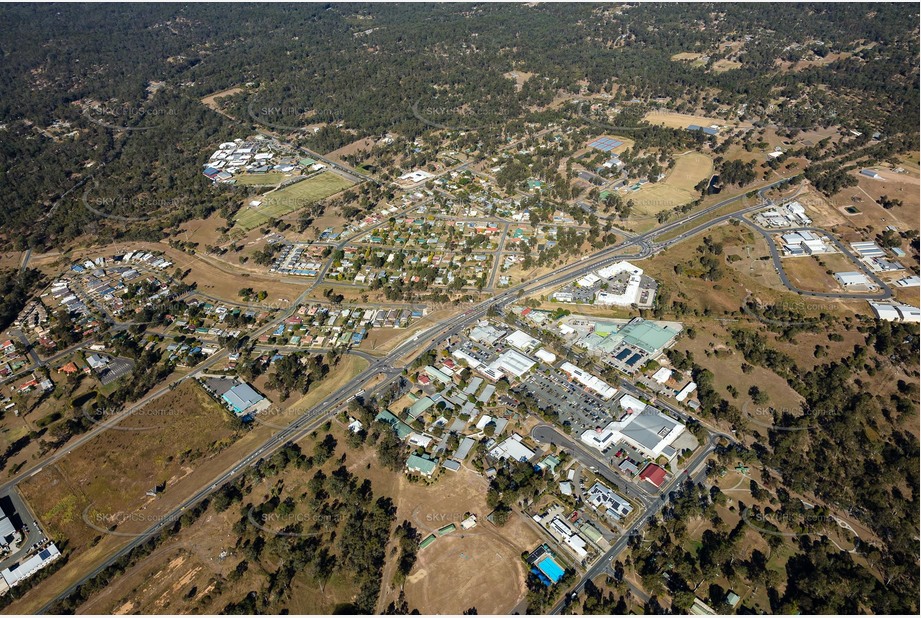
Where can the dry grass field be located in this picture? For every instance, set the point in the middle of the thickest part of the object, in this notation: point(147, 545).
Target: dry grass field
point(192, 571)
point(681, 121)
point(677, 188)
point(160, 444)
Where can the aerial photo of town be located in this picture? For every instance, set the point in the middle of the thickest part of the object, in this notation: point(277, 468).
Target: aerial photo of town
point(460, 308)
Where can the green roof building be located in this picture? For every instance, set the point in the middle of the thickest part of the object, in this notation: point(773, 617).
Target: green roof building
point(422, 465)
point(402, 429)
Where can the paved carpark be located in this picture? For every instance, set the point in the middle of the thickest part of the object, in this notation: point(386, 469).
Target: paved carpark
point(580, 409)
point(21, 516)
point(117, 368)
point(482, 352)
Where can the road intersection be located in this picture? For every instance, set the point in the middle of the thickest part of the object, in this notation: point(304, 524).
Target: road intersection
point(390, 368)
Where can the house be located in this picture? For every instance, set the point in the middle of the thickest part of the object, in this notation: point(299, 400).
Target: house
point(70, 368)
point(653, 474)
point(732, 599)
point(699, 608)
point(421, 465)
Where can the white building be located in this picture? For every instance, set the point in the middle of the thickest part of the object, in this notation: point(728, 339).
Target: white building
point(896, 312)
point(547, 357)
point(522, 341)
point(512, 448)
point(510, 362)
point(851, 279)
point(589, 381)
point(642, 427)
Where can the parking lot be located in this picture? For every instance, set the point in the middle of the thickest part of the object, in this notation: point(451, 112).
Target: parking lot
point(576, 407)
point(117, 368)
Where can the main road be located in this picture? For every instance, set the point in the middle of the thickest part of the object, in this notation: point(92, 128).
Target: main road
point(388, 365)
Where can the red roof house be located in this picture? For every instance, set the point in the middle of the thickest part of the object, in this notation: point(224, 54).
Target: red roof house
point(654, 474)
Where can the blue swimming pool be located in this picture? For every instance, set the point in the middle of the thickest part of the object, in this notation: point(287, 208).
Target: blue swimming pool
point(550, 568)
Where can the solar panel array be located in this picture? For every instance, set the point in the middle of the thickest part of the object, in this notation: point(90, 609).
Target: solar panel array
point(605, 144)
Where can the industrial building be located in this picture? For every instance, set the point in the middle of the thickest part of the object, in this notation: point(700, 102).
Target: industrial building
point(896, 312)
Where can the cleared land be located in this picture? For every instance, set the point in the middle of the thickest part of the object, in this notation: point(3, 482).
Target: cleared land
point(681, 121)
point(283, 201)
point(160, 444)
point(676, 188)
point(726, 65)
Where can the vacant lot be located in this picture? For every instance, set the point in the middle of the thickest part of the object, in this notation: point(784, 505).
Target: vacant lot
point(283, 201)
point(676, 188)
point(726, 65)
point(681, 121)
point(158, 445)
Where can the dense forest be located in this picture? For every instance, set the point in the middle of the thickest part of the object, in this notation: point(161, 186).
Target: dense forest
point(100, 105)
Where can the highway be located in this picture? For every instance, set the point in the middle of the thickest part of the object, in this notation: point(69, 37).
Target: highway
point(389, 365)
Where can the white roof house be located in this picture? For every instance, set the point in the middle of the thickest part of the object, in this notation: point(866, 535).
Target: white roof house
point(687, 390)
point(662, 375)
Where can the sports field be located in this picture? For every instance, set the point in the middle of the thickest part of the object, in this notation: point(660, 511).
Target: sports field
point(279, 203)
point(676, 188)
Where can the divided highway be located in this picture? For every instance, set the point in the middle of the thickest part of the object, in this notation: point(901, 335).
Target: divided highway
point(389, 367)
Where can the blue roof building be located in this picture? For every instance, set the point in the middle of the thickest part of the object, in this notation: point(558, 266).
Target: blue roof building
point(241, 398)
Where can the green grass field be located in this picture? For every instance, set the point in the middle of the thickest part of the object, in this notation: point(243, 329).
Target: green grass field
point(279, 203)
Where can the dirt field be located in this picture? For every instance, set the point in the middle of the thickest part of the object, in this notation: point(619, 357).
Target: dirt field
point(479, 568)
point(520, 77)
point(681, 121)
point(721, 66)
point(283, 201)
point(808, 274)
point(676, 188)
point(686, 56)
point(362, 144)
point(211, 101)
